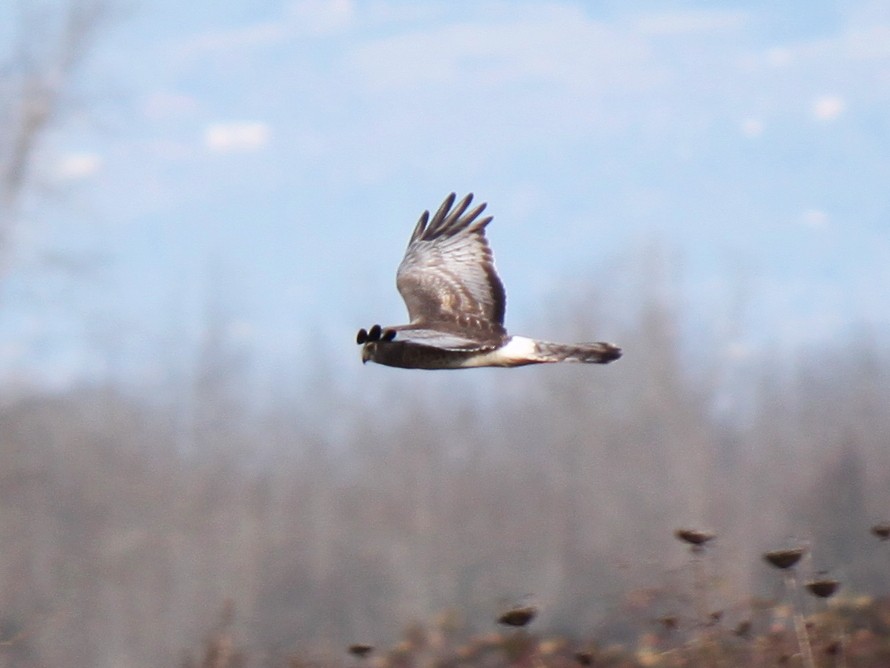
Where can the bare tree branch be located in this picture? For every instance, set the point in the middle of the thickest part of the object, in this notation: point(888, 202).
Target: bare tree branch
point(44, 57)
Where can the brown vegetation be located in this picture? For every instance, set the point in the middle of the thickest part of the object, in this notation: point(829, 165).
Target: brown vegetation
point(852, 633)
point(336, 514)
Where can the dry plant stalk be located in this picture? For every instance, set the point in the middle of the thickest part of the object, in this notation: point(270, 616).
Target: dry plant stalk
point(698, 540)
point(785, 561)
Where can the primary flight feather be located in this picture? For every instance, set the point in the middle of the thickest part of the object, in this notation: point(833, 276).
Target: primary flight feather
point(456, 304)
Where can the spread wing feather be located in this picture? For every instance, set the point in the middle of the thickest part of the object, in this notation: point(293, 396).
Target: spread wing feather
point(447, 277)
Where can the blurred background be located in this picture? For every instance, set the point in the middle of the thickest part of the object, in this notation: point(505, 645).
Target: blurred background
point(200, 203)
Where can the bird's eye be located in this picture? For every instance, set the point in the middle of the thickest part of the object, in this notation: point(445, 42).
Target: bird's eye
point(361, 337)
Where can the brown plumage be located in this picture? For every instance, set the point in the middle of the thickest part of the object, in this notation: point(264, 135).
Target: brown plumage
point(456, 304)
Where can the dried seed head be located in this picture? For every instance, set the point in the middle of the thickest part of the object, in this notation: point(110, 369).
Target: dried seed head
point(584, 658)
point(518, 616)
point(694, 536)
point(669, 622)
point(823, 588)
point(360, 650)
point(784, 558)
point(882, 530)
point(743, 628)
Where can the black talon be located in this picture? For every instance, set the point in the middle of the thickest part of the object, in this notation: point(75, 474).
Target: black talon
point(374, 333)
point(388, 335)
point(361, 337)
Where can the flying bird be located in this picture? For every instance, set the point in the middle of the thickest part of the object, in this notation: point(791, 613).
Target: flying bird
point(456, 304)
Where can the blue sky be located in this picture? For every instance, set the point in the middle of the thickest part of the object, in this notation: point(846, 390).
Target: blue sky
point(273, 157)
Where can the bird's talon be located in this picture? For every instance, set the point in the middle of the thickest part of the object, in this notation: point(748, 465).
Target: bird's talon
point(388, 335)
point(362, 336)
point(374, 333)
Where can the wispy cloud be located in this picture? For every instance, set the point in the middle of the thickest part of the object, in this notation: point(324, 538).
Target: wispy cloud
point(752, 127)
point(267, 32)
point(552, 43)
point(318, 18)
point(828, 107)
point(321, 17)
point(692, 21)
point(76, 166)
point(871, 42)
point(815, 218)
point(236, 136)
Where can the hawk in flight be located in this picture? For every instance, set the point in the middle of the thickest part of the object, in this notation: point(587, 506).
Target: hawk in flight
point(456, 304)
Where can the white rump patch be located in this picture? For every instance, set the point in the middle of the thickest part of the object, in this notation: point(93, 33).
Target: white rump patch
point(518, 348)
point(517, 351)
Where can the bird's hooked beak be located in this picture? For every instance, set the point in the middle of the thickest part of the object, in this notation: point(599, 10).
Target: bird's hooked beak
point(364, 341)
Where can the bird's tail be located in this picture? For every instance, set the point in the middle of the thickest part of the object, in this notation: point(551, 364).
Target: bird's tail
point(589, 353)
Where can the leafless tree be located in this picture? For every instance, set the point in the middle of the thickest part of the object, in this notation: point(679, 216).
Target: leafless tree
point(51, 40)
point(346, 516)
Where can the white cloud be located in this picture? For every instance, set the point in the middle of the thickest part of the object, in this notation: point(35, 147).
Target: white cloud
point(267, 32)
point(544, 43)
point(236, 136)
point(302, 17)
point(752, 127)
point(779, 56)
point(815, 218)
point(871, 42)
point(692, 21)
point(76, 166)
point(828, 107)
point(322, 17)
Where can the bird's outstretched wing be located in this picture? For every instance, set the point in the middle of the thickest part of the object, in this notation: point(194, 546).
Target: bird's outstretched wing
point(447, 277)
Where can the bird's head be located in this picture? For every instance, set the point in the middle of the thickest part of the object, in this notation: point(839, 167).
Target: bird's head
point(371, 339)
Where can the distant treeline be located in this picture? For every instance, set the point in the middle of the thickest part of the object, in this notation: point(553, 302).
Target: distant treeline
point(334, 512)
